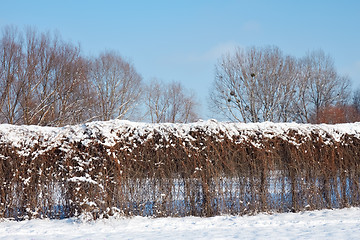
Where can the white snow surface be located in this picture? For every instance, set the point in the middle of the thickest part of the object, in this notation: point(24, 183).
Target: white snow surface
point(108, 133)
point(323, 224)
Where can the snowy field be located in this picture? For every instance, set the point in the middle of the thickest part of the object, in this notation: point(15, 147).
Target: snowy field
point(324, 224)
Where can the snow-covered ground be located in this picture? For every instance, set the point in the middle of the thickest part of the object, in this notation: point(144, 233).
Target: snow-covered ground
point(324, 224)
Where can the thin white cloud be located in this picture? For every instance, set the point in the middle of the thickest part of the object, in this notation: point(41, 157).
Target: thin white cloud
point(214, 52)
point(251, 27)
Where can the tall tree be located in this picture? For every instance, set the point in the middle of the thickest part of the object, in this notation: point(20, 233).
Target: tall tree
point(261, 84)
point(43, 79)
point(320, 85)
point(170, 103)
point(10, 63)
point(117, 85)
point(255, 85)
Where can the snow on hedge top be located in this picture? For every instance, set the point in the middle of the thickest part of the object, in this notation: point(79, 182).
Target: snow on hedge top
point(108, 133)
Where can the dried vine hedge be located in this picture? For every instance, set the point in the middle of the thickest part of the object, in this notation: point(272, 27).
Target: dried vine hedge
point(203, 169)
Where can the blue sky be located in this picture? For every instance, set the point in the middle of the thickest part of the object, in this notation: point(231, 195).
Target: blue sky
point(182, 40)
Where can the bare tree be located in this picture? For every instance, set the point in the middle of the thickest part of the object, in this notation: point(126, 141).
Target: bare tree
point(46, 81)
point(43, 79)
point(255, 85)
point(117, 86)
point(320, 85)
point(170, 103)
point(55, 81)
point(10, 87)
point(74, 95)
point(264, 85)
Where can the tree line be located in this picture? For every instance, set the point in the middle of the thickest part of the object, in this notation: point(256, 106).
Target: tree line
point(264, 84)
point(45, 80)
